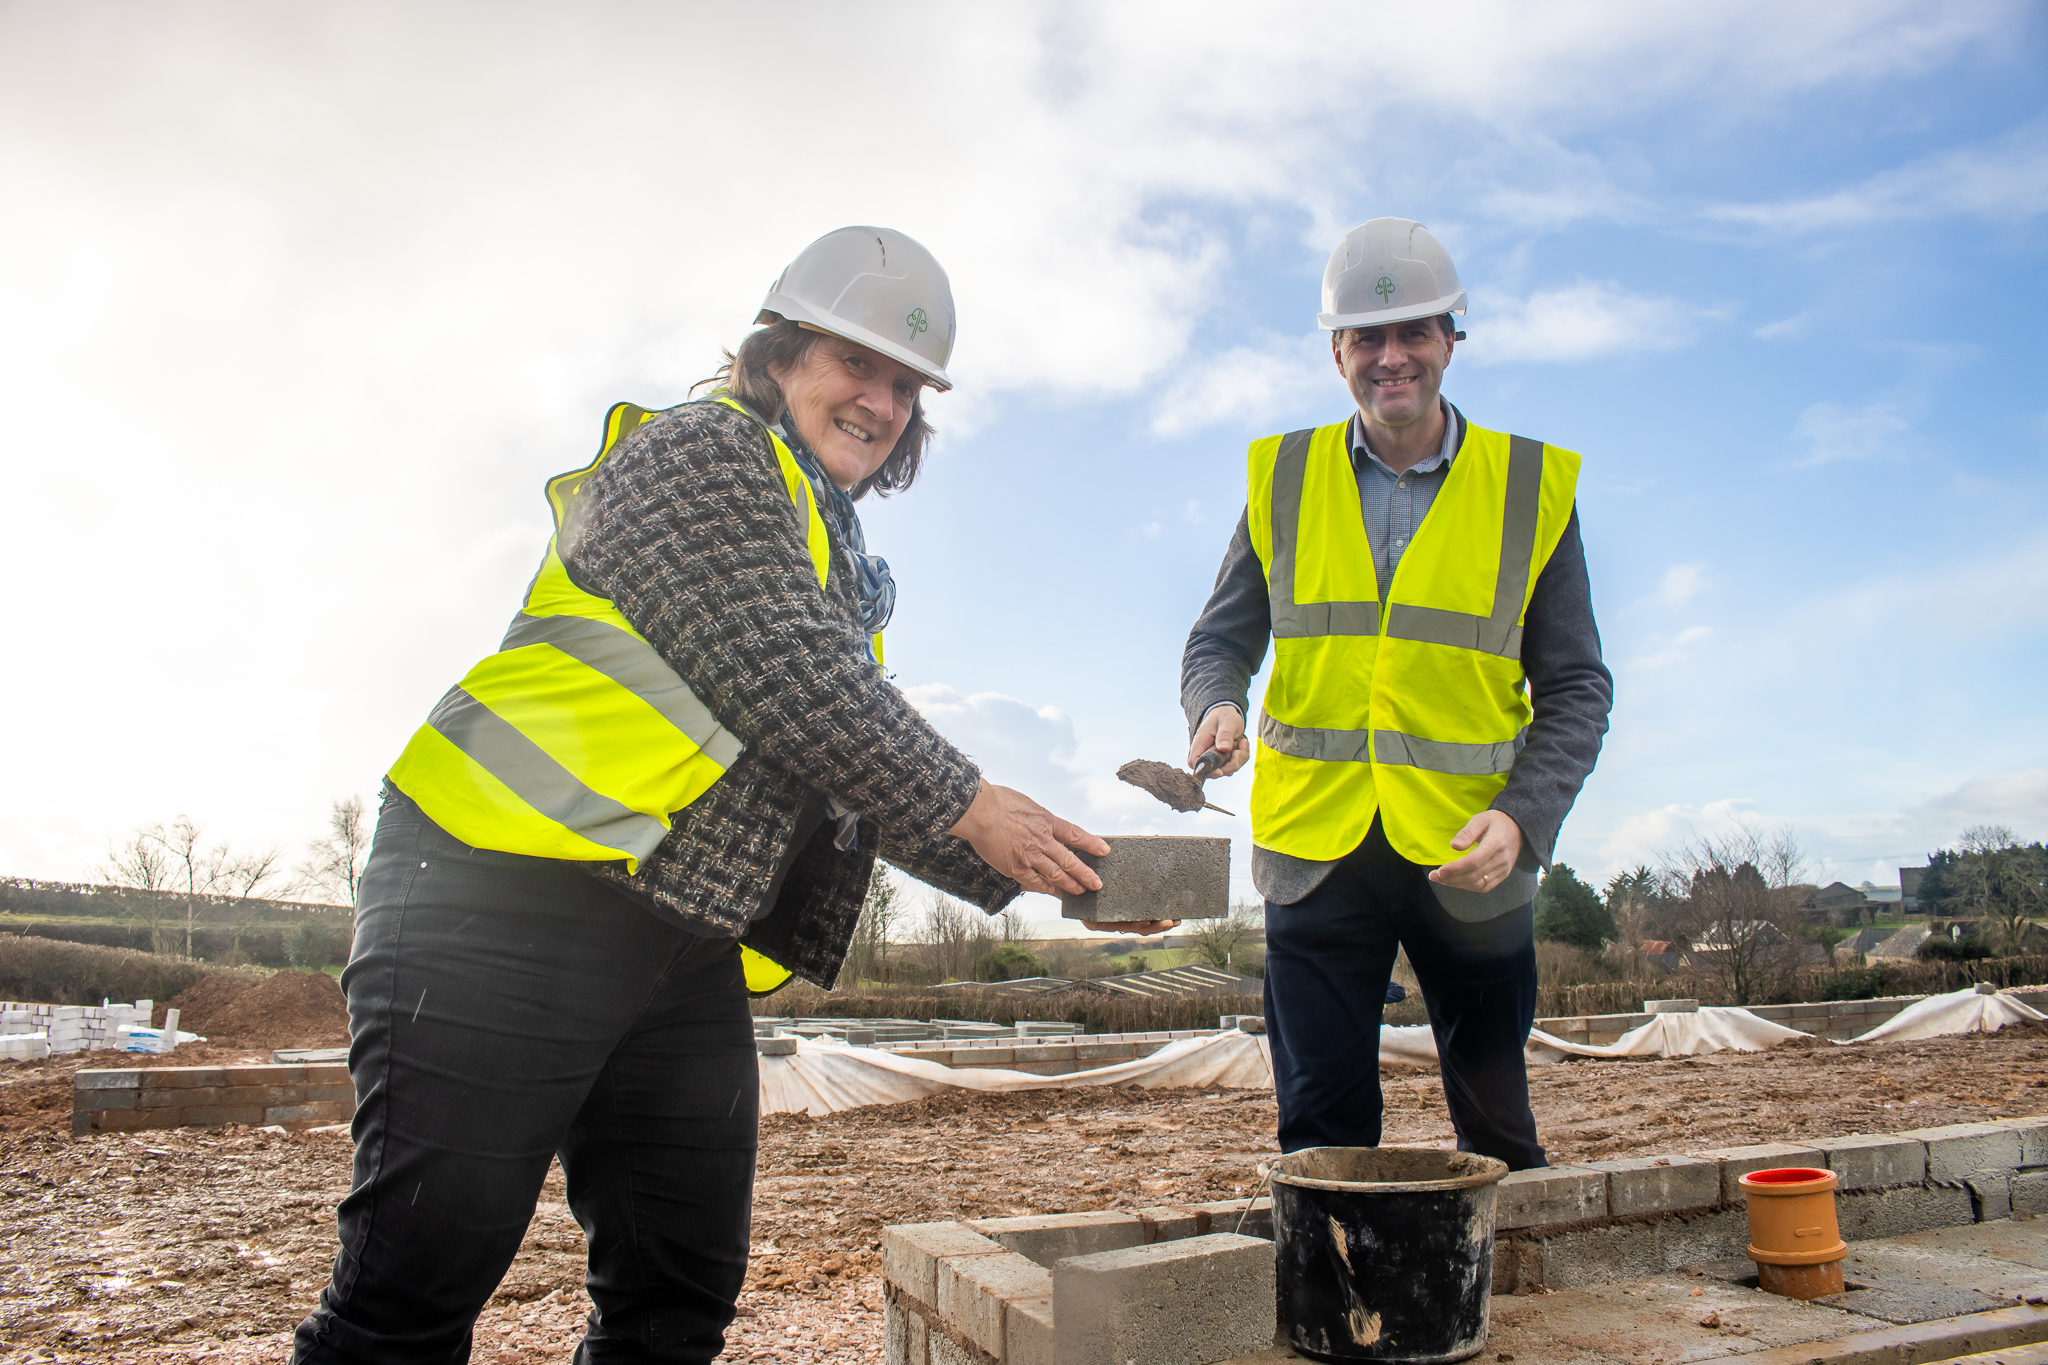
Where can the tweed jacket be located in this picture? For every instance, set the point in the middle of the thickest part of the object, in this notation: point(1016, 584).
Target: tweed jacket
point(689, 530)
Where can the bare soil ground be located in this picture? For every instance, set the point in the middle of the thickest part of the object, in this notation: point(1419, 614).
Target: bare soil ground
point(210, 1246)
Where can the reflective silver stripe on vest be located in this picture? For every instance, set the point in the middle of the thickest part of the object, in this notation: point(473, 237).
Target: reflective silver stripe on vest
point(539, 780)
point(1496, 633)
point(1325, 746)
point(1392, 747)
point(634, 665)
point(1440, 756)
point(1302, 620)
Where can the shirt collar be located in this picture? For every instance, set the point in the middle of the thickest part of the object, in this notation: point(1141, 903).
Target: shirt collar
point(1440, 460)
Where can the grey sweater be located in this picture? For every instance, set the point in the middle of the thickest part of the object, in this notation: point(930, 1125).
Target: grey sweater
point(1570, 688)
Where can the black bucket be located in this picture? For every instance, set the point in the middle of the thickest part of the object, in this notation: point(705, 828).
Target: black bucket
point(1385, 1253)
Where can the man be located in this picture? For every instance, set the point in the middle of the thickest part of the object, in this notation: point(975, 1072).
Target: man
point(1437, 700)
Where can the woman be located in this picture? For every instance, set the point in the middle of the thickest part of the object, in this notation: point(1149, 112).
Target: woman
point(669, 784)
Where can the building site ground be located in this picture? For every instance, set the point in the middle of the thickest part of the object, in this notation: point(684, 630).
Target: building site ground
point(210, 1245)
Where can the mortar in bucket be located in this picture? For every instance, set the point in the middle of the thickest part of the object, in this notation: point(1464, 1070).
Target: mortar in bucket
point(1384, 1253)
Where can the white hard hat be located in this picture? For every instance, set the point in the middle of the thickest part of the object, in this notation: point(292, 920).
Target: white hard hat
point(1389, 270)
point(876, 287)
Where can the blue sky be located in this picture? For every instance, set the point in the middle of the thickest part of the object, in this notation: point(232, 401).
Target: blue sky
point(296, 313)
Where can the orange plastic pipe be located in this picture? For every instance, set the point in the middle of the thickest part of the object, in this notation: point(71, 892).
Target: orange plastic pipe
point(1794, 1237)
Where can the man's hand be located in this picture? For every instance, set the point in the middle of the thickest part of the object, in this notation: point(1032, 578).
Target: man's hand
point(1222, 728)
point(1022, 839)
point(1495, 841)
point(1140, 927)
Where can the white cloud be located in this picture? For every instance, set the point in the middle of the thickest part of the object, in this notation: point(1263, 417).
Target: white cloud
point(2003, 179)
point(1245, 383)
point(1675, 650)
point(2018, 798)
point(1833, 432)
point(1582, 321)
point(1784, 329)
point(1682, 583)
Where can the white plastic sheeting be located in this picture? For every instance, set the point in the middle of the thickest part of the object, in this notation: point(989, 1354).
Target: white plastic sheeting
point(825, 1076)
point(1958, 1012)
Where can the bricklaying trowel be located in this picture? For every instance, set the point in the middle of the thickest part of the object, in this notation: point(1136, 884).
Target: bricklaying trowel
point(1181, 790)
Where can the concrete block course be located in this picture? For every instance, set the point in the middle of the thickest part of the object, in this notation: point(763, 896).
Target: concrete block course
point(1874, 1161)
point(1051, 1237)
point(1156, 876)
point(1657, 1184)
point(911, 1253)
point(209, 1096)
point(1867, 1214)
point(1172, 1303)
point(1552, 1194)
point(975, 1291)
point(1959, 1150)
point(2030, 1192)
point(1737, 1162)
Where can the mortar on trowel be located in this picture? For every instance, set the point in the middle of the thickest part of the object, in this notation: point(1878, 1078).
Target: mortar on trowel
point(1158, 876)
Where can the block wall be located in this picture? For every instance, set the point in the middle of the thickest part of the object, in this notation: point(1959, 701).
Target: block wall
point(209, 1096)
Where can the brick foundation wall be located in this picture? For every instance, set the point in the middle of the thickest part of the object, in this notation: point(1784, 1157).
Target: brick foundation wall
point(209, 1096)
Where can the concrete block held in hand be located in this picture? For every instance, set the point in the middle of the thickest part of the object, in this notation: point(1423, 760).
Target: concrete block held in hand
point(1156, 876)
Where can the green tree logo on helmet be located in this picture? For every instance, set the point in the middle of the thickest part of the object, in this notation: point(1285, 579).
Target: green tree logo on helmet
point(917, 322)
point(1384, 287)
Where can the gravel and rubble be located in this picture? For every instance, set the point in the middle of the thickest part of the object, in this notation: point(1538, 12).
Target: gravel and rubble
point(211, 1245)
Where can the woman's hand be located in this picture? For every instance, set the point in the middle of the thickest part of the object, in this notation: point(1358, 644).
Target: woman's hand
point(1222, 728)
point(1022, 839)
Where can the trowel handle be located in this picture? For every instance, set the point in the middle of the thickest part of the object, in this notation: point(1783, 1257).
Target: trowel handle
point(1209, 763)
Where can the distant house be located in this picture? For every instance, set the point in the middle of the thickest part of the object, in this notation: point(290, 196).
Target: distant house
point(1909, 886)
point(1838, 903)
point(1664, 954)
point(1851, 951)
point(1901, 946)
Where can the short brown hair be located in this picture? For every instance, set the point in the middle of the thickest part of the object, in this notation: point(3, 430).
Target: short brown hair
point(782, 345)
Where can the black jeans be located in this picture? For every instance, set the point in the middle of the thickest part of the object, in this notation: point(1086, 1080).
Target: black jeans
point(504, 1010)
point(1328, 958)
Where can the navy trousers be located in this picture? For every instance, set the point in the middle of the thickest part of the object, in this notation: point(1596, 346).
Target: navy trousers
point(502, 1011)
point(1328, 959)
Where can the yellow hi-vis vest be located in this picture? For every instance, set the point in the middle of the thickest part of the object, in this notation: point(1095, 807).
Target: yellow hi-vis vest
point(1406, 699)
point(576, 739)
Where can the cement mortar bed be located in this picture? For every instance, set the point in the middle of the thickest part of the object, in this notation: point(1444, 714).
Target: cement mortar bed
point(1177, 1285)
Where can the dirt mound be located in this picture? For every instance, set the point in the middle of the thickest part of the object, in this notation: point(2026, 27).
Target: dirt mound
point(200, 1004)
point(286, 1009)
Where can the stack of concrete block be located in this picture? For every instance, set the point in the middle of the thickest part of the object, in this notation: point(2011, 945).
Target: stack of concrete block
point(20, 1039)
point(68, 1028)
point(209, 1096)
point(1169, 1286)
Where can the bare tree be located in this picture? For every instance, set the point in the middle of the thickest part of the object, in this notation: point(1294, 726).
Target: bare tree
point(2002, 881)
point(867, 957)
point(246, 875)
point(142, 862)
point(954, 935)
point(334, 862)
point(1220, 941)
point(1726, 904)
